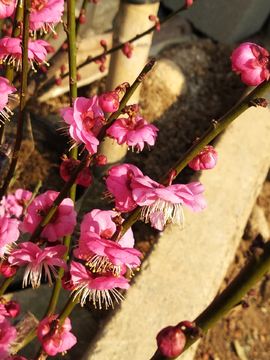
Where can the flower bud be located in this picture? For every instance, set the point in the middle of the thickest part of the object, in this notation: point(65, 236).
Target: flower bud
point(102, 68)
point(84, 177)
point(101, 160)
point(66, 283)
point(205, 160)
point(13, 308)
point(109, 101)
point(189, 2)
point(7, 269)
point(171, 341)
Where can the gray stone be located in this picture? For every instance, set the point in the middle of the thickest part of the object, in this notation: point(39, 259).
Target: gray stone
point(223, 20)
point(186, 268)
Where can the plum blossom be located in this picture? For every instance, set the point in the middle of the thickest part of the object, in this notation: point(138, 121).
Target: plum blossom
point(45, 13)
point(11, 52)
point(53, 339)
point(118, 185)
point(84, 177)
point(36, 259)
point(8, 335)
point(162, 204)
point(9, 232)
point(252, 61)
point(62, 222)
point(6, 91)
point(205, 160)
point(133, 131)
point(14, 204)
point(7, 8)
point(85, 119)
point(100, 289)
point(102, 254)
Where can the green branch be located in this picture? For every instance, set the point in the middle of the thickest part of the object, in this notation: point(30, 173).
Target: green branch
point(249, 276)
point(215, 128)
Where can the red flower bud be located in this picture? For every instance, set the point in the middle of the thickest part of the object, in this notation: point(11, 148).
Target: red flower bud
point(66, 283)
point(102, 68)
point(58, 81)
point(13, 308)
point(101, 160)
point(7, 269)
point(171, 341)
point(152, 17)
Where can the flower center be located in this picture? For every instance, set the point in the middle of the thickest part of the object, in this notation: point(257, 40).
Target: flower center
point(262, 57)
point(88, 120)
point(106, 234)
point(37, 5)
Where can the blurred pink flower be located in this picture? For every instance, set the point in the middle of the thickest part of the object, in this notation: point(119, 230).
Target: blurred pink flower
point(189, 2)
point(36, 259)
point(54, 340)
point(12, 307)
point(109, 101)
point(6, 91)
point(205, 160)
point(8, 335)
point(133, 132)
point(101, 289)
point(11, 52)
point(45, 13)
point(62, 222)
point(84, 177)
point(252, 61)
point(7, 8)
point(118, 185)
point(162, 204)
point(101, 253)
point(8, 231)
point(14, 204)
point(85, 120)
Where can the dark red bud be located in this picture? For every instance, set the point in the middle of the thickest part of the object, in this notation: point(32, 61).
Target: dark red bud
point(82, 19)
point(66, 283)
point(43, 69)
point(7, 269)
point(101, 160)
point(58, 81)
point(171, 341)
point(102, 68)
point(152, 17)
point(13, 308)
point(64, 46)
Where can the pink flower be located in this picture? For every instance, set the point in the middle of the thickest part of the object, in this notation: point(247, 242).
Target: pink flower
point(84, 177)
point(11, 51)
point(162, 204)
point(99, 288)
point(205, 160)
point(45, 13)
point(8, 231)
point(8, 335)
point(6, 91)
point(7, 270)
point(36, 259)
point(252, 61)
point(101, 253)
point(14, 204)
point(109, 101)
point(7, 8)
point(85, 120)
point(133, 131)
point(62, 222)
point(118, 184)
point(53, 339)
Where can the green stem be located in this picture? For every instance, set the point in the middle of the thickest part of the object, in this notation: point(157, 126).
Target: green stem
point(5, 284)
point(21, 117)
point(36, 190)
point(230, 297)
point(215, 128)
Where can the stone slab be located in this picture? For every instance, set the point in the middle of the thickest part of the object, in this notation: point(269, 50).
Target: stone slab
point(223, 20)
point(185, 269)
